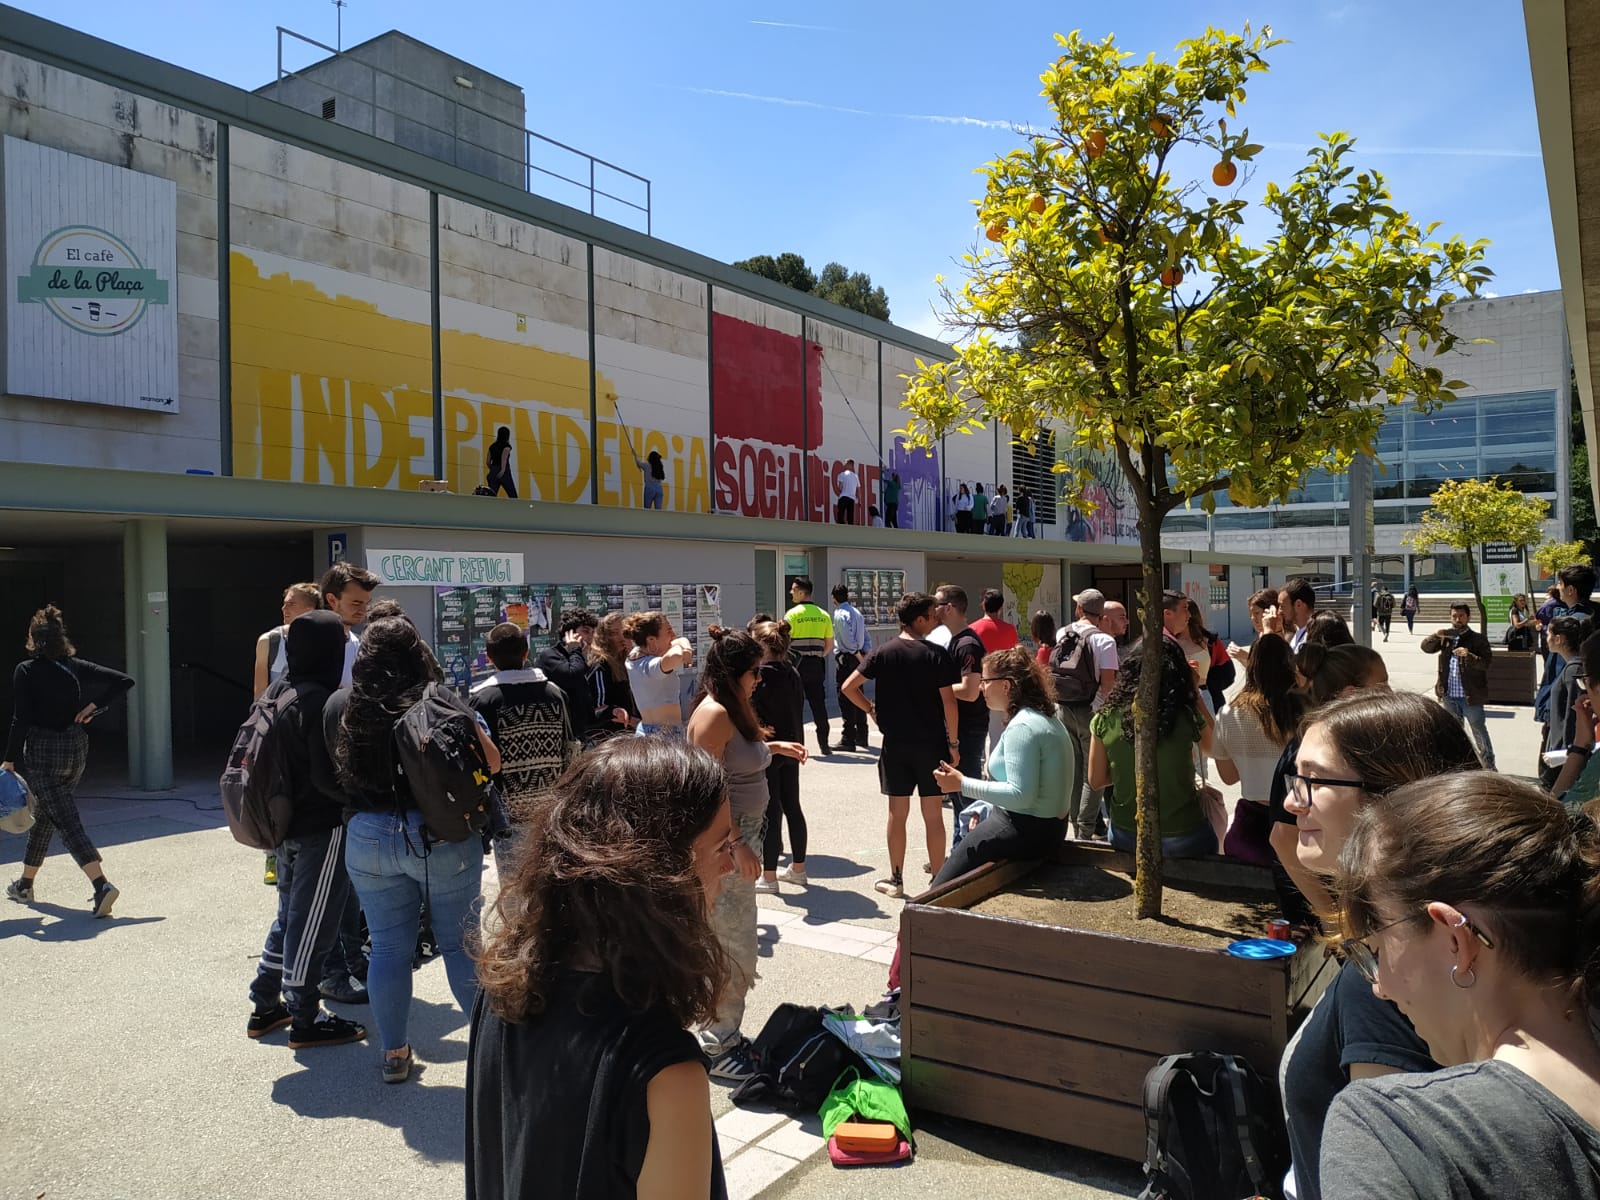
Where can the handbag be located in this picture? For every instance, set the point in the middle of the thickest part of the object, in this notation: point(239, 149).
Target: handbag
point(16, 803)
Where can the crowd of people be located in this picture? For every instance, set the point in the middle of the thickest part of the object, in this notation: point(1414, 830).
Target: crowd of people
point(1453, 1055)
point(997, 513)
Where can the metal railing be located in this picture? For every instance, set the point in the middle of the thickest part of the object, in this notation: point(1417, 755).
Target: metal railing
point(599, 172)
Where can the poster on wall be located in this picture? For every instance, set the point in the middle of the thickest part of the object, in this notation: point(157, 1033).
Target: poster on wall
point(91, 280)
point(1502, 573)
point(876, 593)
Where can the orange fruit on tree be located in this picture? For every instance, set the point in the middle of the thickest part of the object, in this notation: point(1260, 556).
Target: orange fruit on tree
point(1171, 277)
point(1094, 142)
point(1224, 173)
point(995, 231)
point(1107, 235)
point(1037, 203)
point(1161, 125)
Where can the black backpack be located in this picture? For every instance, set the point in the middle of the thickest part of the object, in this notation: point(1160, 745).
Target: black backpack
point(797, 1061)
point(441, 768)
point(1213, 1130)
point(1072, 667)
point(255, 784)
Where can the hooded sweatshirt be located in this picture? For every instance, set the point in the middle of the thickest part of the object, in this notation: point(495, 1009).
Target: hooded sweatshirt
point(315, 648)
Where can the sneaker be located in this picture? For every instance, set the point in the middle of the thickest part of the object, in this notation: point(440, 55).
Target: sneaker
point(270, 1021)
point(794, 875)
point(735, 1065)
point(348, 990)
point(397, 1067)
point(892, 886)
point(105, 895)
point(21, 891)
point(326, 1030)
point(766, 887)
point(269, 876)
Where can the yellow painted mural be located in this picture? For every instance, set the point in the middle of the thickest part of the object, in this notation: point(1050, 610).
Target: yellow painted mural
point(327, 388)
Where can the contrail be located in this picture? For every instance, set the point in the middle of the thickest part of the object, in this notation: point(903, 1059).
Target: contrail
point(792, 25)
point(789, 102)
point(1439, 151)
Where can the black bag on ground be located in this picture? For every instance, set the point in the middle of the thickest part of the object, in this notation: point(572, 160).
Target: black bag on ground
point(1213, 1130)
point(255, 785)
point(442, 770)
point(797, 1061)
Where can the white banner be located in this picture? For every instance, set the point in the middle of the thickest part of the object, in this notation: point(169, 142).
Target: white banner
point(91, 280)
point(444, 568)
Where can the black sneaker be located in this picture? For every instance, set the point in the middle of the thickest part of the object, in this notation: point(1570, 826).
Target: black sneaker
point(327, 1030)
point(263, 1023)
point(736, 1064)
point(21, 891)
point(349, 990)
point(105, 895)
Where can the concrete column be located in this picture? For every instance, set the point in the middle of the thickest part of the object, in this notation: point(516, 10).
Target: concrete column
point(144, 583)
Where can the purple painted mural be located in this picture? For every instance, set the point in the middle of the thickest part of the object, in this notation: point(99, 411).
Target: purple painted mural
point(919, 485)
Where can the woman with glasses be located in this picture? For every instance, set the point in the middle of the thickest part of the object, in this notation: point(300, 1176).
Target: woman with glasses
point(1182, 723)
point(1030, 770)
point(1473, 903)
point(1352, 752)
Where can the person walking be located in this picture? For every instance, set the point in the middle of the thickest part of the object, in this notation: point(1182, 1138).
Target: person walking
point(653, 665)
point(812, 630)
point(394, 863)
point(916, 712)
point(654, 471)
point(582, 1079)
point(1408, 609)
point(850, 642)
point(313, 885)
point(724, 725)
point(1385, 607)
point(54, 696)
point(846, 485)
point(1463, 684)
point(780, 706)
point(500, 477)
point(891, 500)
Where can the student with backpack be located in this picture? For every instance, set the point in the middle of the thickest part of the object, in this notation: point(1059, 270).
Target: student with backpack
point(1083, 667)
point(414, 766)
point(312, 883)
point(528, 723)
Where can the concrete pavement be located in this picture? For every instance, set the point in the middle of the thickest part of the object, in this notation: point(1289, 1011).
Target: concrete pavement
point(127, 1072)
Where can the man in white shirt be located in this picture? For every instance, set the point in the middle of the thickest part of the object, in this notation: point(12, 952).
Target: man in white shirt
point(1090, 627)
point(846, 485)
point(1297, 603)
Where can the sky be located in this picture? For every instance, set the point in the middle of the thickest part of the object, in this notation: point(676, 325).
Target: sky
point(851, 131)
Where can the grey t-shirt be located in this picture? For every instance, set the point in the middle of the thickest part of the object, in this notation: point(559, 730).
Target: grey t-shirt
point(1484, 1131)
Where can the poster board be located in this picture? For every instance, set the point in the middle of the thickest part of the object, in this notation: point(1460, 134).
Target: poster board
point(875, 592)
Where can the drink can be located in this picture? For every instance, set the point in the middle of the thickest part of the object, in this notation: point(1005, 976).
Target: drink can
point(1278, 929)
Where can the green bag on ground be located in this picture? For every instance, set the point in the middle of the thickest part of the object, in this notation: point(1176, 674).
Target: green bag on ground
point(867, 1099)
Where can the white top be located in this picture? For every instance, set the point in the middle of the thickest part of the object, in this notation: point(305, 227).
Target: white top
point(278, 668)
point(963, 503)
point(1101, 644)
point(1199, 655)
point(998, 505)
point(1238, 737)
point(939, 637)
point(846, 484)
point(350, 648)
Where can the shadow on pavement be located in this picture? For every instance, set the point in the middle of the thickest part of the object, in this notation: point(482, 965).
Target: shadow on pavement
point(828, 866)
point(70, 924)
point(821, 905)
point(430, 1118)
point(1028, 1153)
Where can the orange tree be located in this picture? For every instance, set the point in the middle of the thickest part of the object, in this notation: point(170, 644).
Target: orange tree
point(1118, 297)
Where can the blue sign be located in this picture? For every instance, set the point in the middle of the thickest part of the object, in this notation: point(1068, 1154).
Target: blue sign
point(338, 547)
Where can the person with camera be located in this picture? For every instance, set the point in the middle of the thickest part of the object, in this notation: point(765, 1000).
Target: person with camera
point(1463, 684)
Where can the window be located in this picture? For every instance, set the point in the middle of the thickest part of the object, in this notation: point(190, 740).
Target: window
point(1423, 476)
point(1255, 519)
point(1453, 427)
point(1525, 472)
point(1031, 468)
point(1184, 522)
point(1440, 573)
point(1525, 420)
point(1319, 487)
point(1304, 518)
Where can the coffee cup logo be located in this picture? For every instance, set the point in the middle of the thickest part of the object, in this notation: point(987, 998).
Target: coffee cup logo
point(91, 280)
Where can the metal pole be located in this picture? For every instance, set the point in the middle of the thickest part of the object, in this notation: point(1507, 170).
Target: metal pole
point(434, 335)
point(1360, 483)
point(224, 302)
point(591, 186)
point(648, 203)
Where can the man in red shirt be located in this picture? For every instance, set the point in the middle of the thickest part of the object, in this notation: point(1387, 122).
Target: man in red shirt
point(994, 633)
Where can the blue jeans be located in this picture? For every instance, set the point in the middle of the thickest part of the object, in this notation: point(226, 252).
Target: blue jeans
point(384, 855)
point(652, 493)
point(1197, 844)
point(1473, 717)
point(971, 743)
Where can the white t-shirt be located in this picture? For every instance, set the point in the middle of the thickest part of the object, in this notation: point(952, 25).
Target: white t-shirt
point(350, 649)
point(1101, 644)
point(847, 484)
point(278, 664)
point(940, 636)
point(998, 505)
point(1238, 737)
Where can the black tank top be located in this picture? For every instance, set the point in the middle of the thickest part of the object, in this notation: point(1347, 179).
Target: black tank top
point(556, 1104)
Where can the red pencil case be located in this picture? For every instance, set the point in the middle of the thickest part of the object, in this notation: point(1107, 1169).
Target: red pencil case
point(841, 1157)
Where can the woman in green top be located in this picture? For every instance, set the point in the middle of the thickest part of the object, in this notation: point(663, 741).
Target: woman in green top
point(1181, 723)
point(980, 509)
point(1030, 770)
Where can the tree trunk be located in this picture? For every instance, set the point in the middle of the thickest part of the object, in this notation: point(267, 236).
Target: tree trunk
point(1477, 593)
point(1146, 705)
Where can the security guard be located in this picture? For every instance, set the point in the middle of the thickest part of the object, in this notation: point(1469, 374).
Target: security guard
point(811, 634)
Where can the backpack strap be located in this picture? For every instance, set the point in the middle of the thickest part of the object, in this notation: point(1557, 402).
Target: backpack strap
point(1157, 1084)
point(1243, 1128)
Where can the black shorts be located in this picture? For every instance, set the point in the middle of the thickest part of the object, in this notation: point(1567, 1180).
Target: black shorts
point(906, 768)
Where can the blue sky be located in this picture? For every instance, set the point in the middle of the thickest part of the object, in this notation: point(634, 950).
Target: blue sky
point(850, 131)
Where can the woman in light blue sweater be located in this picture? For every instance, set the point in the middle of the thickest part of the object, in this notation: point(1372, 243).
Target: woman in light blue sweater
point(1031, 772)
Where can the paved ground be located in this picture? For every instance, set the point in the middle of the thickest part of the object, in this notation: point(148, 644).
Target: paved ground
point(127, 1074)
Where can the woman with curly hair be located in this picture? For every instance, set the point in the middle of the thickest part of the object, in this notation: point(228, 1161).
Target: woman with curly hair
point(54, 696)
point(615, 710)
point(1182, 723)
point(597, 956)
point(780, 705)
point(724, 724)
point(392, 861)
point(1031, 772)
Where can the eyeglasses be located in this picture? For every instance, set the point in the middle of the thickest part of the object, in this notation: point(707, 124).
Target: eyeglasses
point(993, 679)
point(1300, 785)
point(1365, 958)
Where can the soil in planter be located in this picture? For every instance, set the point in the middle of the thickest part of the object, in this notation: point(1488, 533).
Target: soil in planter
point(1206, 916)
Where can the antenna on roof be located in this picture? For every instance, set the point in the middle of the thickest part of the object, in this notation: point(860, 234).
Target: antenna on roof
point(339, 6)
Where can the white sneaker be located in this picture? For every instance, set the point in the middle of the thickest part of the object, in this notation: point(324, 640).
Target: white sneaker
point(766, 887)
point(794, 875)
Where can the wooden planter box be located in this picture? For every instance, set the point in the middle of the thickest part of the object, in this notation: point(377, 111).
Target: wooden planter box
point(1049, 1031)
point(1513, 676)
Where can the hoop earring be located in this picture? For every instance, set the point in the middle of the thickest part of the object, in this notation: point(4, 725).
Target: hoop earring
point(1471, 977)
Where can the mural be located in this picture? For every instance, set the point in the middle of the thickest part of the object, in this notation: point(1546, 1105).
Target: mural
point(919, 486)
point(1109, 513)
